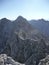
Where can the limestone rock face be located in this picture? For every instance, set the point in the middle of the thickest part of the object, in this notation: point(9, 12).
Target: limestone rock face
point(6, 60)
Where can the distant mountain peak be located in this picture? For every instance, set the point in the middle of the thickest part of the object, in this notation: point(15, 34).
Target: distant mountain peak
point(41, 19)
point(20, 18)
point(3, 19)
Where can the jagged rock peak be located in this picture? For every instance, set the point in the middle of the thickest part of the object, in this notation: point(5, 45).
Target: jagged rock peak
point(42, 20)
point(20, 18)
point(4, 19)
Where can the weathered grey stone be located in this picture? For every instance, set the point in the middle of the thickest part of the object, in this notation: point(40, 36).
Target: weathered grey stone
point(6, 60)
point(1, 61)
point(44, 61)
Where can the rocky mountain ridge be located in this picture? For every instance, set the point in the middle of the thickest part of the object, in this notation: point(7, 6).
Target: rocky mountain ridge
point(42, 25)
point(21, 41)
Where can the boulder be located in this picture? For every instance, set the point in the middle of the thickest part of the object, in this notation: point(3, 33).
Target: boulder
point(6, 60)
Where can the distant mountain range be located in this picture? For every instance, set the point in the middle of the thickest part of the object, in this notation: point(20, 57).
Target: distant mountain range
point(22, 41)
point(42, 25)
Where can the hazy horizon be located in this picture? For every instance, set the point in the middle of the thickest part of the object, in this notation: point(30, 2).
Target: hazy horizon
point(29, 9)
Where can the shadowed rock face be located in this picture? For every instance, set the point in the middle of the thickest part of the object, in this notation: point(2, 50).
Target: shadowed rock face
point(6, 60)
point(22, 42)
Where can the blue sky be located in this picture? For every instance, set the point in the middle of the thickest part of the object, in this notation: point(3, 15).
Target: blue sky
point(30, 9)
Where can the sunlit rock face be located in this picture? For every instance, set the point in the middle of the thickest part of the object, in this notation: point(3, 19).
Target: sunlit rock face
point(6, 60)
